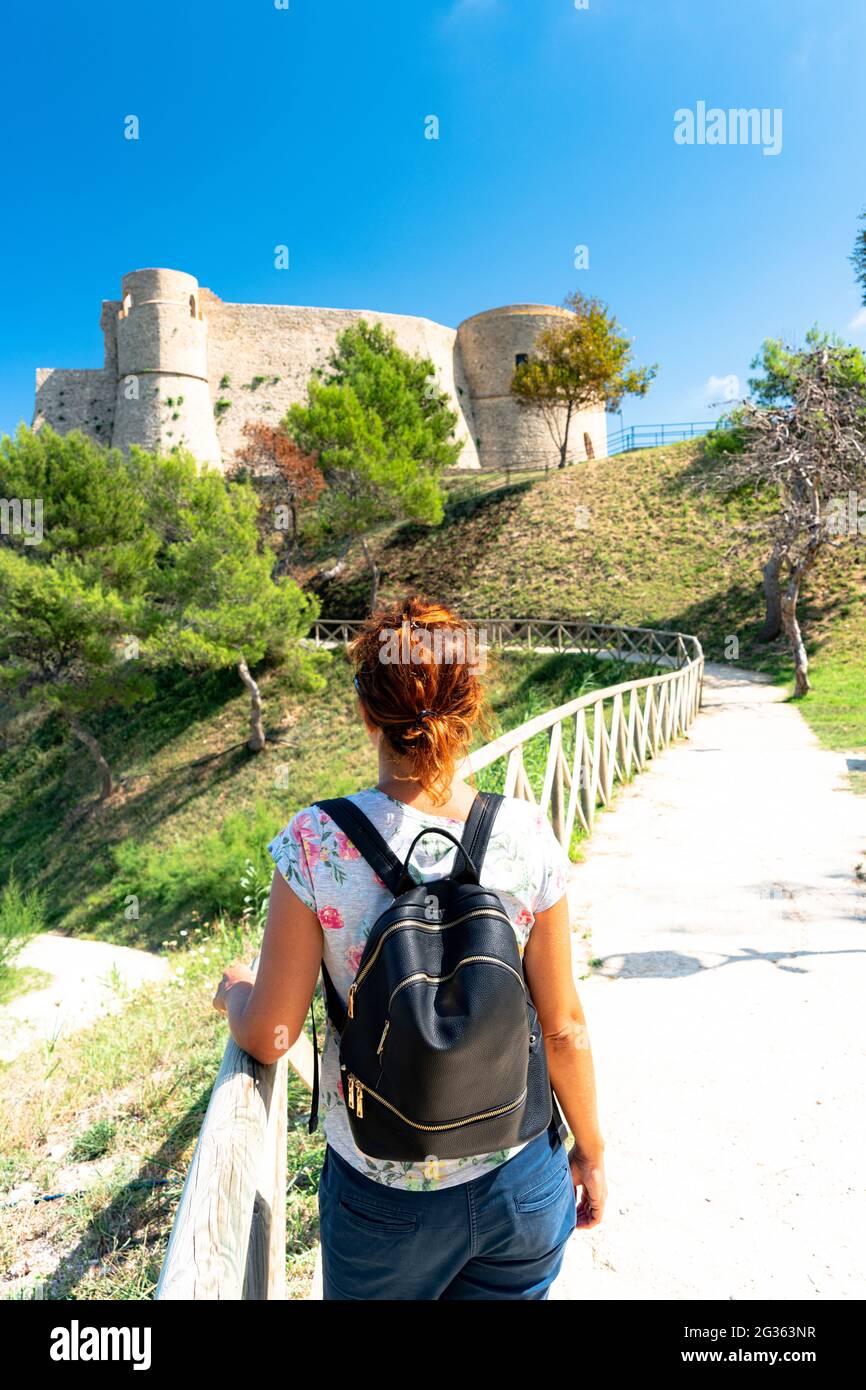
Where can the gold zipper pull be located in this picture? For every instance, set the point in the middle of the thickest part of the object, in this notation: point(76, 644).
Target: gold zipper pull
point(383, 1037)
point(359, 1099)
point(351, 1001)
point(351, 1092)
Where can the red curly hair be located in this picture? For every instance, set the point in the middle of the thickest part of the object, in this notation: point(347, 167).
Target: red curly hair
point(416, 667)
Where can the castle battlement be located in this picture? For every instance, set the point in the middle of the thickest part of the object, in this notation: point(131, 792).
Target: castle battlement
point(186, 368)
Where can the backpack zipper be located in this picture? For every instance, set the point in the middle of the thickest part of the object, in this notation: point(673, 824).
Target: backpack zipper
point(357, 1089)
point(422, 975)
point(424, 926)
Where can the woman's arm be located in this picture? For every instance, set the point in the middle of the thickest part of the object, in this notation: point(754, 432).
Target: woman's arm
point(266, 1011)
point(547, 967)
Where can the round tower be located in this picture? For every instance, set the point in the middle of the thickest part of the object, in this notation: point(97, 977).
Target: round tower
point(163, 397)
point(491, 345)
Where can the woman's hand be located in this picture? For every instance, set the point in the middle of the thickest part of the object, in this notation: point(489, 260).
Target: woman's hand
point(232, 975)
point(266, 1008)
point(588, 1174)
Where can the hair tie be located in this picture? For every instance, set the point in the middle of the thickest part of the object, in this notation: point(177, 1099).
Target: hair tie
point(424, 714)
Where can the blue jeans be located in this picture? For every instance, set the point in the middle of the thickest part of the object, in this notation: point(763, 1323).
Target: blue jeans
point(502, 1235)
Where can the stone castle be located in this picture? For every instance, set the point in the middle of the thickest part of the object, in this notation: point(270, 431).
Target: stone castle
point(184, 368)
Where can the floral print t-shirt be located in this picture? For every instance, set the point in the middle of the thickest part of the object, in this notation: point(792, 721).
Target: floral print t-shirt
point(524, 864)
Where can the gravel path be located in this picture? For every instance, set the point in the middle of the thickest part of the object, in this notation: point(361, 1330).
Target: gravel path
point(727, 1018)
point(89, 978)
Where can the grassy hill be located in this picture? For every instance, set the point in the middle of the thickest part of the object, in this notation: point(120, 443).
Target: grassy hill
point(625, 540)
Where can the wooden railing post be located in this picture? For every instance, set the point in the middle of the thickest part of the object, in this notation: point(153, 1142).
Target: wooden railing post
point(228, 1240)
point(557, 801)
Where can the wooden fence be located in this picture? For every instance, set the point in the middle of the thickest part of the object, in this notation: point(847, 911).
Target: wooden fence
point(228, 1240)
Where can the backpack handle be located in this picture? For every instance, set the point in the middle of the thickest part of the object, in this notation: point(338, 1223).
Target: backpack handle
point(469, 874)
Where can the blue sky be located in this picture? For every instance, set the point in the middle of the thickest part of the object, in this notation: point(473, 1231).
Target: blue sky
point(305, 127)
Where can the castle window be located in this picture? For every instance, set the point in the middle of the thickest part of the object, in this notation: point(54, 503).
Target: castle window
point(192, 308)
point(126, 305)
point(520, 358)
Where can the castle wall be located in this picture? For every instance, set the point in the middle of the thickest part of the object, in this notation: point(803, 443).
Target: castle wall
point(72, 399)
point(261, 357)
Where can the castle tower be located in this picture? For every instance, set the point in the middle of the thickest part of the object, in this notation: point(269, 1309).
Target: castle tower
point(163, 398)
point(491, 344)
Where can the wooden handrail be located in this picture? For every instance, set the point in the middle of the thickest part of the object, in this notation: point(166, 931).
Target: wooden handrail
point(228, 1239)
point(613, 732)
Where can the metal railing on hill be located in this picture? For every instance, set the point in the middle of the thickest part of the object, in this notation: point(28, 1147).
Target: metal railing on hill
point(228, 1240)
point(515, 464)
point(654, 436)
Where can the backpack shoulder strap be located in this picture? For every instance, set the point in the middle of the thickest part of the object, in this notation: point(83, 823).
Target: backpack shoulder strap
point(479, 824)
point(366, 838)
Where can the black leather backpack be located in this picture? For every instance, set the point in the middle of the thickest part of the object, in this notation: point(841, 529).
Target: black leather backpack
point(440, 1046)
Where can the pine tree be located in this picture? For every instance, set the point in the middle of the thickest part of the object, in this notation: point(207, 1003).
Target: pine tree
point(383, 431)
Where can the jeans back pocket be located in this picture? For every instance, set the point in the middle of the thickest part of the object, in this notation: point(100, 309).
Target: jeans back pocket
point(549, 1188)
point(375, 1217)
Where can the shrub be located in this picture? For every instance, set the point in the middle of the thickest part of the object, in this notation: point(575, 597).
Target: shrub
point(210, 874)
point(729, 436)
point(94, 1142)
point(256, 883)
point(22, 915)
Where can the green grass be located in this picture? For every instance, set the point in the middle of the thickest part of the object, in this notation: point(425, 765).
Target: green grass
point(21, 979)
point(651, 553)
point(95, 1142)
point(102, 1115)
point(836, 706)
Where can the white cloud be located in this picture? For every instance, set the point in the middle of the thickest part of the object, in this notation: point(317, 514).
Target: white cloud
point(858, 323)
point(722, 388)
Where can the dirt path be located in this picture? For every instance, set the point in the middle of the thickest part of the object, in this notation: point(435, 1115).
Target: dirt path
point(89, 978)
point(727, 1019)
